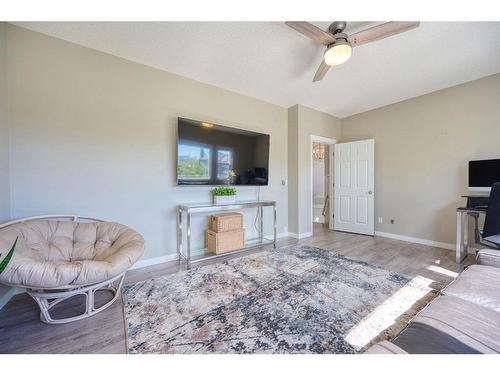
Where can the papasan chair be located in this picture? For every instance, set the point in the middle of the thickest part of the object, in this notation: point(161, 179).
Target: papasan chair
point(57, 257)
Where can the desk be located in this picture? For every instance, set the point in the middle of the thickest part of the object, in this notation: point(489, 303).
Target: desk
point(463, 215)
point(189, 209)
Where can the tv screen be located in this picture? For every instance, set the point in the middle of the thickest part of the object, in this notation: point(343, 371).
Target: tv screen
point(210, 154)
point(483, 173)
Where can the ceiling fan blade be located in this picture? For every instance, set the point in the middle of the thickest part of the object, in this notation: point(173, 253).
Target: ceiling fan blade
point(322, 70)
point(380, 32)
point(312, 32)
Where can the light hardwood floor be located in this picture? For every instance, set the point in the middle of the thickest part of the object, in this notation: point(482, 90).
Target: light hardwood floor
point(22, 332)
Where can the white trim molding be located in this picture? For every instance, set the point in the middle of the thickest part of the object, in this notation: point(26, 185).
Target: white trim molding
point(278, 236)
point(421, 241)
point(154, 261)
point(321, 139)
point(300, 236)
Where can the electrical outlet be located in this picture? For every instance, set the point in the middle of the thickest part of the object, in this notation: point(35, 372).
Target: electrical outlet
point(380, 220)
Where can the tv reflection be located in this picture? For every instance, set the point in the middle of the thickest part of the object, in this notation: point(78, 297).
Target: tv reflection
point(220, 155)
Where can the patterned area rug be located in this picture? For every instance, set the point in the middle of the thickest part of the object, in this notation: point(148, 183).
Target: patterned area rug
point(290, 300)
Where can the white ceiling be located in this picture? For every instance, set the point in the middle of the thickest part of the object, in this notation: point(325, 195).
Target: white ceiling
point(272, 62)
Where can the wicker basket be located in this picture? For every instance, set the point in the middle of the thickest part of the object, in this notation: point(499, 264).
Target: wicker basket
point(226, 221)
point(223, 242)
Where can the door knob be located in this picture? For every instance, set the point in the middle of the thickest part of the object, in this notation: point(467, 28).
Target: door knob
point(370, 192)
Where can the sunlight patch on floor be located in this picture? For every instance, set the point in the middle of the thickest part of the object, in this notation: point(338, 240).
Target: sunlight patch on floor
point(442, 271)
point(389, 311)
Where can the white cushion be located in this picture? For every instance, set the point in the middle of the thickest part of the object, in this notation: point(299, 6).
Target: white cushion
point(477, 284)
point(62, 254)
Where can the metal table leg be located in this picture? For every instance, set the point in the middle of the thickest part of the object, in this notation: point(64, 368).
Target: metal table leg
point(465, 232)
point(261, 224)
point(458, 249)
point(275, 227)
point(188, 259)
point(462, 236)
point(179, 234)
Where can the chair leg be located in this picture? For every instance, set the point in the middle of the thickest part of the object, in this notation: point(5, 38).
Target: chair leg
point(46, 300)
point(44, 306)
point(89, 297)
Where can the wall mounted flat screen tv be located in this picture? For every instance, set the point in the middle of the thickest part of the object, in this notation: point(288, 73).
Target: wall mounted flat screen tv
point(210, 154)
point(483, 174)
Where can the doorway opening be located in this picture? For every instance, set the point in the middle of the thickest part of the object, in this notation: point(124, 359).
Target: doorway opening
point(322, 181)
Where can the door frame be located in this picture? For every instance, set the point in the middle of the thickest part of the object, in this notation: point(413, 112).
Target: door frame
point(330, 142)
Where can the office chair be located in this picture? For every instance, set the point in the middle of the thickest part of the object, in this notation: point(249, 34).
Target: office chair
point(490, 235)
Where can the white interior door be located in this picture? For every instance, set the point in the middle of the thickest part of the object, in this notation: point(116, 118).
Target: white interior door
point(353, 188)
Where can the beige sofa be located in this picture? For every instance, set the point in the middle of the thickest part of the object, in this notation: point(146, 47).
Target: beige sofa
point(464, 319)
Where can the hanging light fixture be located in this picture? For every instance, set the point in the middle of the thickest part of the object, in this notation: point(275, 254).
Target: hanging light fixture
point(318, 151)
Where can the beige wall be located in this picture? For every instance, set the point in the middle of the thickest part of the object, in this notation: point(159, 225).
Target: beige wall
point(96, 134)
point(422, 147)
point(304, 122)
point(4, 131)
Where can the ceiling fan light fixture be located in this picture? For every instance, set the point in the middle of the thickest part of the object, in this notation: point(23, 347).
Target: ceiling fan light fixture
point(338, 53)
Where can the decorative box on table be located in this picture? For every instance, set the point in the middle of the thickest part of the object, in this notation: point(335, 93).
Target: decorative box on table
point(223, 242)
point(226, 233)
point(226, 221)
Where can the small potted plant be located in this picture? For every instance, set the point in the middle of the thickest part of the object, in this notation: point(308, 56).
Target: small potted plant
point(224, 195)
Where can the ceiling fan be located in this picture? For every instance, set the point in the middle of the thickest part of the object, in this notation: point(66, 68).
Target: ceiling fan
point(339, 45)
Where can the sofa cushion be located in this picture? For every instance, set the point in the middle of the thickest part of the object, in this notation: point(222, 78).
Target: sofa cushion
point(488, 257)
point(477, 284)
point(452, 325)
point(62, 254)
point(420, 338)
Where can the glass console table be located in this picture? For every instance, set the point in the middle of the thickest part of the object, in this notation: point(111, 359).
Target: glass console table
point(462, 244)
point(186, 210)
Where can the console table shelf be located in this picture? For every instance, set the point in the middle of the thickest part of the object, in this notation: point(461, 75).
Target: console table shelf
point(189, 209)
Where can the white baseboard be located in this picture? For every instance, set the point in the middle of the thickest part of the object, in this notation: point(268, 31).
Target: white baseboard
point(153, 261)
point(300, 236)
point(422, 241)
point(171, 257)
point(278, 236)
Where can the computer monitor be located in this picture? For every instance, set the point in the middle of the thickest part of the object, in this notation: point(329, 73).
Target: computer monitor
point(483, 174)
